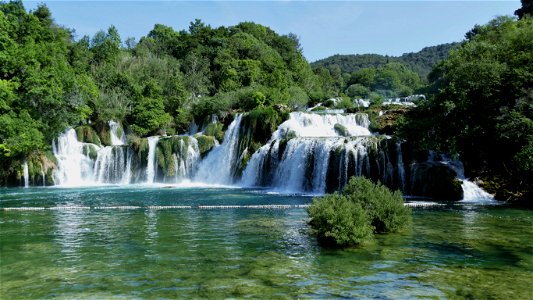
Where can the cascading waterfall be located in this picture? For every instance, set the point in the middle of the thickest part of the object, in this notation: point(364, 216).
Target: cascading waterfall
point(473, 193)
point(151, 166)
point(89, 164)
point(113, 162)
point(302, 124)
point(116, 138)
point(187, 160)
point(219, 165)
point(113, 165)
point(74, 166)
point(308, 154)
point(26, 174)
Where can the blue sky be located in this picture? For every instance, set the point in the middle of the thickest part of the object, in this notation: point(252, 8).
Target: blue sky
point(324, 27)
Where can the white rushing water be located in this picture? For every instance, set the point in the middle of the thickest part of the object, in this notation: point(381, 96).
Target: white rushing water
point(473, 193)
point(302, 163)
point(113, 165)
point(74, 168)
point(26, 174)
point(309, 153)
point(151, 165)
point(186, 160)
point(302, 124)
point(117, 139)
point(218, 166)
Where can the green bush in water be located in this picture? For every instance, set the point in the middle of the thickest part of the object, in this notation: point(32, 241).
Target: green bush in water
point(353, 216)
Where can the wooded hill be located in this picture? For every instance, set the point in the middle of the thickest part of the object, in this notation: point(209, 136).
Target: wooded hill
point(421, 62)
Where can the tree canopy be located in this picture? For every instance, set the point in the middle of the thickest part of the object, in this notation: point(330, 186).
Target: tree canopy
point(50, 81)
point(481, 104)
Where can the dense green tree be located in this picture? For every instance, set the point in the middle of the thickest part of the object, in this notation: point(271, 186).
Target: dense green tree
point(482, 108)
point(149, 112)
point(526, 9)
point(420, 62)
point(106, 45)
point(196, 69)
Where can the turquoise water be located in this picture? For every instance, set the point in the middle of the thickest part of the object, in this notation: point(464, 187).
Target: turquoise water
point(144, 248)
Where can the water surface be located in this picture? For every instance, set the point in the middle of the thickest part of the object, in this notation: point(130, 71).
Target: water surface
point(141, 248)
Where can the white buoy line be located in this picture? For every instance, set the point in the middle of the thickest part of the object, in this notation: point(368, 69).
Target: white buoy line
point(166, 207)
point(156, 207)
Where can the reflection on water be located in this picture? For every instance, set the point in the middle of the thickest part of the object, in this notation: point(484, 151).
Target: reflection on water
point(69, 233)
point(450, 252)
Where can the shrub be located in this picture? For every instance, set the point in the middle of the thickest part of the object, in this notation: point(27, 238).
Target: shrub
point(362, 209)
point(384, 207)
point(339, 221)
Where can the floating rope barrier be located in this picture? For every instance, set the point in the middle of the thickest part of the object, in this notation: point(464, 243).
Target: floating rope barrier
point(203, 207)
point(423, 204)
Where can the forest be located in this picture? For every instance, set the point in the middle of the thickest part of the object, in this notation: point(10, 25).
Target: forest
point(479, 92)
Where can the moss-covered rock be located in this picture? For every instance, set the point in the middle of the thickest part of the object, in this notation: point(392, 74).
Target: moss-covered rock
point(105, 137)
point(87, 134)
point(205, 144)
point(262, 121)
point(341, 130)
point(169, 150)
point(143, 149)
point(215, 130)
point(90, 150)
point(41, 166)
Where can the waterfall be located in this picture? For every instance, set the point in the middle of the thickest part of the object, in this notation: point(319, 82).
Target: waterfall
point(473, 193)
point(219, 165)
point(116, 138)
point(44, 177)
point(26, 174)
point(127, 173)
point(113, 165)
point(74, 166)
point(309, 153)
point(318, 153)
point(151, 166)
point(187, 160)
point(320, 165)
point(423, 173)
point(302, 124)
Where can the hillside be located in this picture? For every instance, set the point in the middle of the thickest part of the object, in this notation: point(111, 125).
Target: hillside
point(420, 62)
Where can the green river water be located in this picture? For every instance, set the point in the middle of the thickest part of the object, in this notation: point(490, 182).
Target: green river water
point(129, 242)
